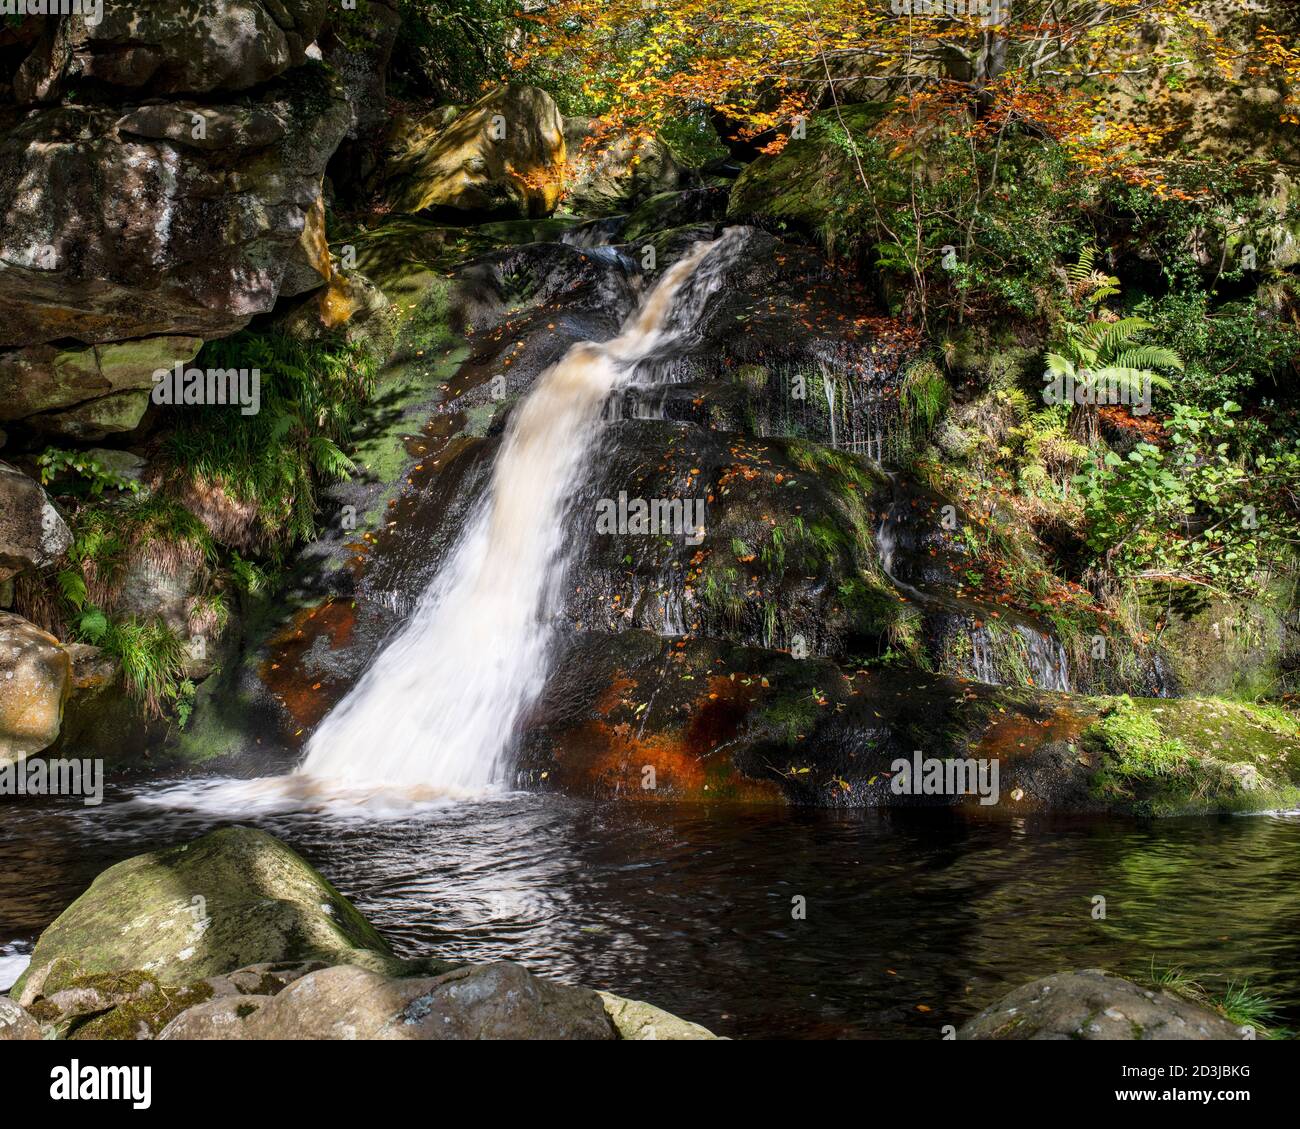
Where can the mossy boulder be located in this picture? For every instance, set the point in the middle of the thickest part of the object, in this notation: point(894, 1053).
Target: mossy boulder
point(1178, 756)
point(86, 391)
point(803, 183)
point(501, 158)
point(226, 900)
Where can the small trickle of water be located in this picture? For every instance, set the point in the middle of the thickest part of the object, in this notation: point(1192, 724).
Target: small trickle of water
point(1046, 658)
point(828, 386)
point(439, 706)
point(1040, 653)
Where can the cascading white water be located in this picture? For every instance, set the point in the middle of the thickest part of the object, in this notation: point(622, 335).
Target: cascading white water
point(439, 706)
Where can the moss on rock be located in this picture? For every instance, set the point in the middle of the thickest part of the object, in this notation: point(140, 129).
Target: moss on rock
point(226, 900)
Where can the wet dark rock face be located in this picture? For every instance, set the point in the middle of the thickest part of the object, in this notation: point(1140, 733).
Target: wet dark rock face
point(640, 717)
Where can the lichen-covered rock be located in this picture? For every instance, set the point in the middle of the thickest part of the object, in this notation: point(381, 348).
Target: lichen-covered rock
point(1093, 1004)
point(226, 900)
point(136, 221)
point(492, 1001)
point(86, 391)
point(35, 675)
point(183, 46)
point(32, 534)
point(502, 158)
point(637, 1021)
point(15, 1024)
point(614, 173)
point(75, 1004)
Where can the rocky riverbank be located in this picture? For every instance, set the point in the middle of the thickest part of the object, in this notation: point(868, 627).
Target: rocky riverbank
point(234, 936)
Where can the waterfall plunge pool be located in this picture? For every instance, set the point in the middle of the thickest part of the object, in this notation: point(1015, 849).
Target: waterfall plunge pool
point(914, 919)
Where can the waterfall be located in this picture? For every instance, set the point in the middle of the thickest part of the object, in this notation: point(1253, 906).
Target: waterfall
point(440, 704)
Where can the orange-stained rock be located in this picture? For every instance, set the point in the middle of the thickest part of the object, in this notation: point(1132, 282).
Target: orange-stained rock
point(35, 679)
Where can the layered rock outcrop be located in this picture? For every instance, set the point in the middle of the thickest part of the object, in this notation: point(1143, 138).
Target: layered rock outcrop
point(162, 172)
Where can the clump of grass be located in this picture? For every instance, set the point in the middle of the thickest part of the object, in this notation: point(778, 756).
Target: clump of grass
point(923, 397)
point(1135, 751)
point(1237, 1003)
point(153, 664)
point(109, 540)
point(1144, 765)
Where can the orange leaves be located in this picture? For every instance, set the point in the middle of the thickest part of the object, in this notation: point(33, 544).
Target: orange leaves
point(1277, 55)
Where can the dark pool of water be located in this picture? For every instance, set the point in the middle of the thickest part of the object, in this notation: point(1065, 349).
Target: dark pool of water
point(912, 921)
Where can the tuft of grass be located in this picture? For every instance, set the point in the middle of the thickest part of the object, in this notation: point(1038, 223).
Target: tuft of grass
point(153, 664)
point(1237, 1003)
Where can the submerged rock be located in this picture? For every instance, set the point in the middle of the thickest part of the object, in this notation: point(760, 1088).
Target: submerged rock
point(1093, 1004)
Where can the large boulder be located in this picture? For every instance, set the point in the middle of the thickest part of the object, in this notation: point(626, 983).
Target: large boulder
point(184, 46)
point(226, 900)
point(492, 1001)
point(162, 219)
point(1095, 1005)
point(32, 534)
point(502, 158)
point(35, 676)
point(613, 173)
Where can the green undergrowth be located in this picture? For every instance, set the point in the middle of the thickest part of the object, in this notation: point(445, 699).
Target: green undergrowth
point(1167, 756)
point(270, 465)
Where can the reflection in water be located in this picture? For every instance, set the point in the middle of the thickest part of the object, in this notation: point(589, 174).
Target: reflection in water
point(690, 907)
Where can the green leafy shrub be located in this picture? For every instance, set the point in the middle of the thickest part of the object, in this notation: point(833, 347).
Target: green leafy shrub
point(1213, 508)
point(56, 463)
